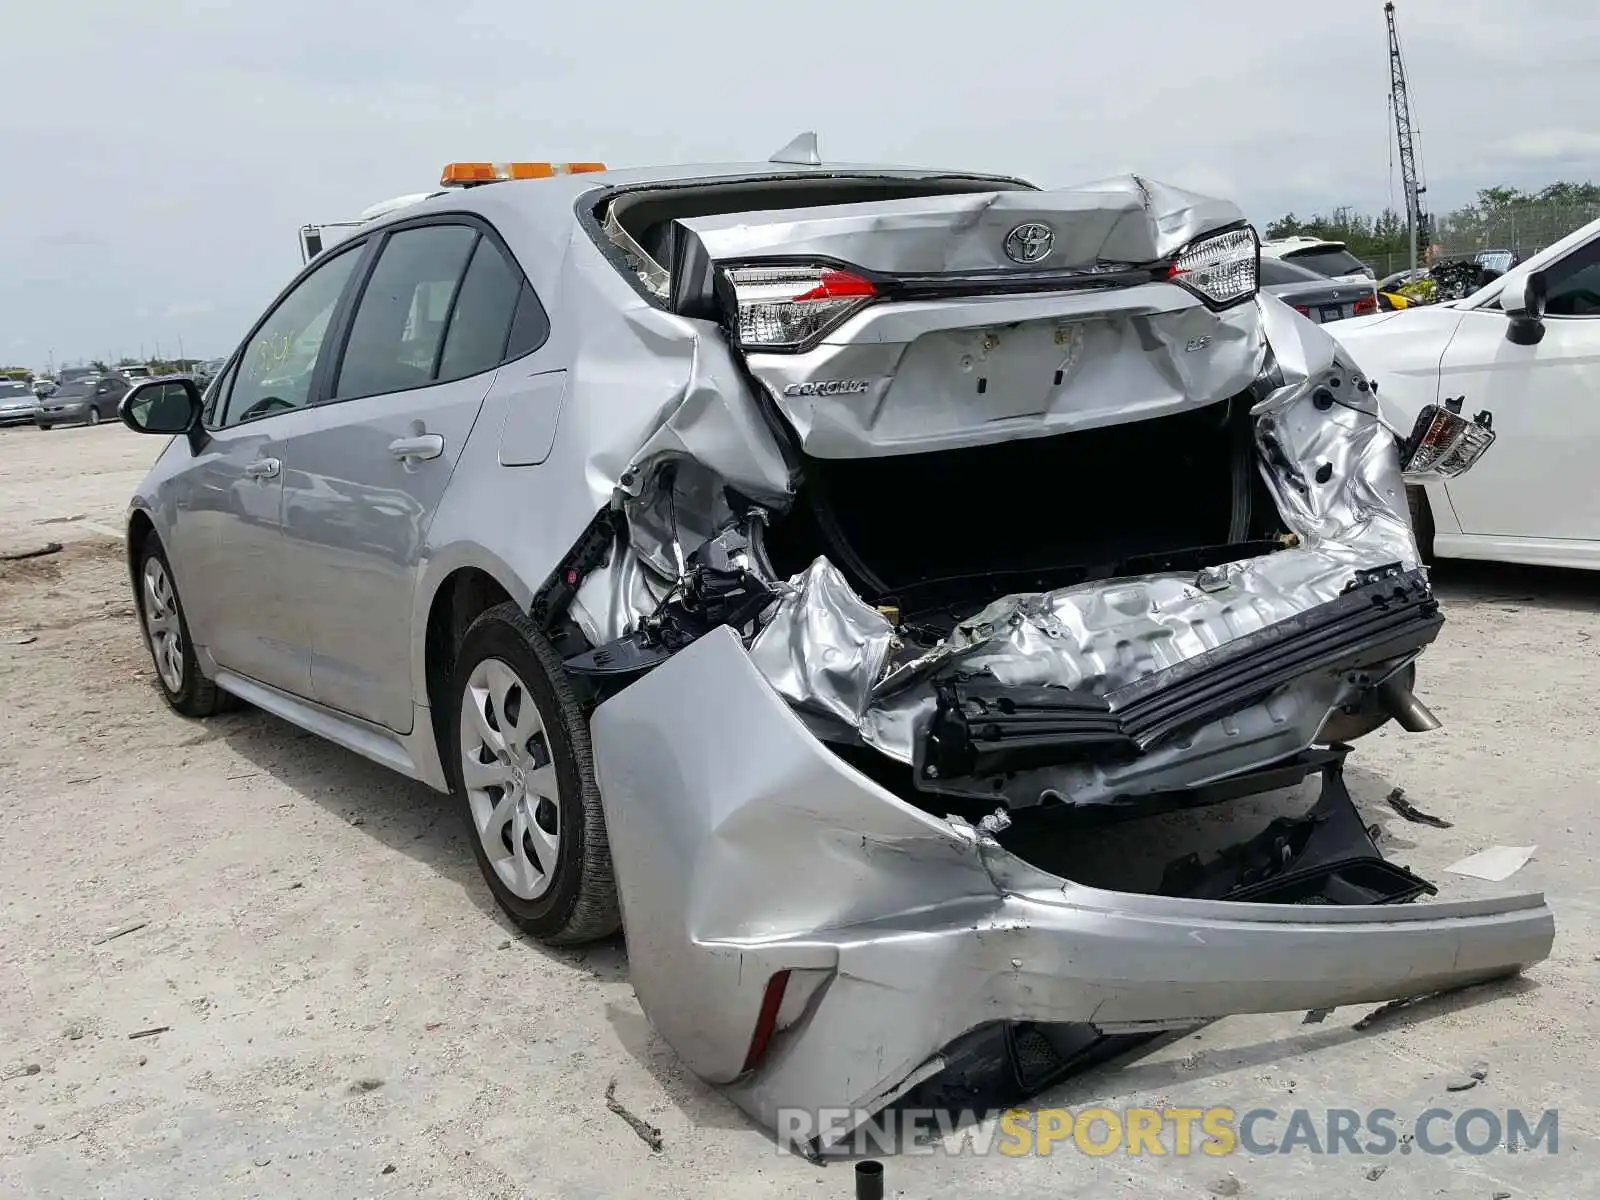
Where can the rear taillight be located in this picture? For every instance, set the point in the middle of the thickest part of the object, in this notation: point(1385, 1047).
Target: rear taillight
point(1223, 268)
point(1303, 309)
point(1367, 304)
point(788, 308)
point(1443, 444)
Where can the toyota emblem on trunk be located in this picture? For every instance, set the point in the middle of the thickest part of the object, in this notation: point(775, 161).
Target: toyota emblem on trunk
point(1029, 243)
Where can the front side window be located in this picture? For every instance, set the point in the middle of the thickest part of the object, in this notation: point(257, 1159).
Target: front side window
point(1575, 284)
point(275, 370)
point(481, 322)
point(399, 327)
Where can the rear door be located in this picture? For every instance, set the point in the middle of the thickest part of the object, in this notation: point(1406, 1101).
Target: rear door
point(1546, 405)
point(366, 474)
point(107, 393)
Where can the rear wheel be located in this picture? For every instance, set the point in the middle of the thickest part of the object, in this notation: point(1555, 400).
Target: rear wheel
point(166, 632)
point(1421, 522)
point(41, 424)
point(94, 415)
point(520, 762)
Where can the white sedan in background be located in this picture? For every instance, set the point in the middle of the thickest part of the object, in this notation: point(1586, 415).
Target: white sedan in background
point(1526, 349)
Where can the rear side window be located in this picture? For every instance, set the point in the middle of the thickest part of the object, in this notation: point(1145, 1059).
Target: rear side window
point(481, 322)
point(530, 327)
point(1328, 261)
point(399, 326)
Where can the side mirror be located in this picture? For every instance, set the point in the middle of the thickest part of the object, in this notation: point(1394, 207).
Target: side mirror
point(165, 406)
point(310, 242)
point(1526, 327)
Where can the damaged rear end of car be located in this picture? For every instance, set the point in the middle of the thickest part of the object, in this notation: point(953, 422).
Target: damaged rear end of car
point(986, 517)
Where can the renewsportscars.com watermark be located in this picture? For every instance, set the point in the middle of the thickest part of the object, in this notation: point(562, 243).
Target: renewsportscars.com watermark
point(1178, 1132)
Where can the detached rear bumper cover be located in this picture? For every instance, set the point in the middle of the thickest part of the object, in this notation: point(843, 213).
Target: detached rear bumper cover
point(746, 849)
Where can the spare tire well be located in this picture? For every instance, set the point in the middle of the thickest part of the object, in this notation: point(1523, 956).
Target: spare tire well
point(1030, 514)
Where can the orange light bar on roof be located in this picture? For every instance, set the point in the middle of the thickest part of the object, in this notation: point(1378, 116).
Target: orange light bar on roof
point(465, 174)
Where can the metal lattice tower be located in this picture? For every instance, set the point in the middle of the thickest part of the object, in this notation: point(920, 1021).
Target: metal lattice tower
point(1406, 137)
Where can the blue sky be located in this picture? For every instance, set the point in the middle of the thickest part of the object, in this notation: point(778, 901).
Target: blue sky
point(162, 154)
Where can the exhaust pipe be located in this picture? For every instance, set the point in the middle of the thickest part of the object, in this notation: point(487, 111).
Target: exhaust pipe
point(1401, 703)
point(869, 1180)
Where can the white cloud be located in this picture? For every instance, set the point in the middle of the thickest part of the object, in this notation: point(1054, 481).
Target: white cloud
point(1554, 145)
point(192, 308)
point(185, 175)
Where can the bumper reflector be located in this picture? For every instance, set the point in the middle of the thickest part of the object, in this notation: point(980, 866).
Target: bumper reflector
point(767, 1021)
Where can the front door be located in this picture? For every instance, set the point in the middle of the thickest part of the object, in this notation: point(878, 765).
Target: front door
point(230, 523)
point(367, 470)
point(1534, 481)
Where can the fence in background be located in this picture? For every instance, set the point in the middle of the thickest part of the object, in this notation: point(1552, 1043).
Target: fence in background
point(1525, 228)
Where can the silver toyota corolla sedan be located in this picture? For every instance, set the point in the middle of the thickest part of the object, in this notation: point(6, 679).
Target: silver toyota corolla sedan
point(782, 562)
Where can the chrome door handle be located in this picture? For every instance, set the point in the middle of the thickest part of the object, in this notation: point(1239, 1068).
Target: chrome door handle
point(424, 445)
point(263, 468)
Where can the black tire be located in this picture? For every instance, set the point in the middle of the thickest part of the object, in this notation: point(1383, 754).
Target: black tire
point(196, 696)
point(1421, 522)
point(580, 904)
point(41, 425)
point(94, 416)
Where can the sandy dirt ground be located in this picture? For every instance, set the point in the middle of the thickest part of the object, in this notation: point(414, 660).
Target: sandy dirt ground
point(343, 1012)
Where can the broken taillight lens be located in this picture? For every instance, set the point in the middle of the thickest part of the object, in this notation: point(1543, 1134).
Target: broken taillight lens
point(1223, 268)
point(787, 308)
point(1443, 444)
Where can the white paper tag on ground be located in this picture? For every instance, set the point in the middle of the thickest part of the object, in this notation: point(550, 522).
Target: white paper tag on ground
point(1495, 864)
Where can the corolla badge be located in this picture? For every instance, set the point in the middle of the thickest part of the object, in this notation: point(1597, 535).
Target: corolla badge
point(1029, 243)
point(829, 387)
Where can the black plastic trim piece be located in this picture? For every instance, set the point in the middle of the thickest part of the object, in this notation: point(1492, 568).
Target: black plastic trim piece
point(982, 727)
point(554, 597)
point(1326, 856)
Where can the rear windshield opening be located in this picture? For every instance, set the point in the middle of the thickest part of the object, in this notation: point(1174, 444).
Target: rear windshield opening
point(640, 223)
point(1328, 262)
point(1277, 271)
